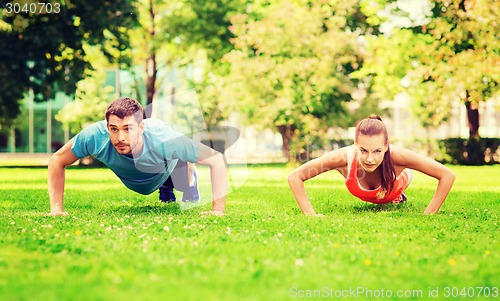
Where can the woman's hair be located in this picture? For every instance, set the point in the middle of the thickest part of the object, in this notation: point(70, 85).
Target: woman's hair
point(373, 126)
point(124, 107)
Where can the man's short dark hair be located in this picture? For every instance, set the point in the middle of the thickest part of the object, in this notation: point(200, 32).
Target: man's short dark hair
point(125, 107)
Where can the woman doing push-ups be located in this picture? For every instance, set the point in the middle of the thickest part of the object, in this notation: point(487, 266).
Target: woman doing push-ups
point(374, 170)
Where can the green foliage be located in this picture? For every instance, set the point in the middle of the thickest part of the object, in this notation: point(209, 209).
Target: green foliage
point(206, 26)
point(211, 94)
point(174, 34)
point(92, 96)
point(461, 62)
point(291, 64)
point(471, 151)
point(44, 51)
point(454, 56)
point(388, 60)
point(91, 101)
point(118, 245)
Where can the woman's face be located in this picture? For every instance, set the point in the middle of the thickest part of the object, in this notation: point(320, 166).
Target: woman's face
point(370, 150)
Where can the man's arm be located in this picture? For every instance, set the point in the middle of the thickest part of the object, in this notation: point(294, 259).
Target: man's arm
point(56, 177)
point(218, 177)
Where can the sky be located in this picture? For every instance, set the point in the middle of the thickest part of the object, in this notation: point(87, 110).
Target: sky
point(416, 12)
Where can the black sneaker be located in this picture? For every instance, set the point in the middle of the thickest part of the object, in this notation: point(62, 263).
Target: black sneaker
point(401, 199)
point(167, 194)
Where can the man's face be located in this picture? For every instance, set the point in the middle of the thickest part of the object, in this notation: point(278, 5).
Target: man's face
point(126, 134)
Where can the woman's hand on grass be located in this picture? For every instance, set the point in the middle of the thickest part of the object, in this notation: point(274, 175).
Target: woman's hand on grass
point(315, 214)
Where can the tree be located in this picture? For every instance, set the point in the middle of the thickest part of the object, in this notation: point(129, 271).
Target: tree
point(388, 61)
point(153, 44)
point(91, 96)
point(450, 54)
point(291, 64)
point(209, 24)
point(169, 34)
point(462, 61)
point(43, 51)
point(174, 34)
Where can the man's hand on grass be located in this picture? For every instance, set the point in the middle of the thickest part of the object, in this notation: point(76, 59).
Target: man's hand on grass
point(213, 212)
point(58, 213)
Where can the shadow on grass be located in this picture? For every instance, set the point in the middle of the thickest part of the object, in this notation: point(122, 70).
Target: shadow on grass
point(357, 206)
point(5, 168)
point(381, 207)
point(139, 209)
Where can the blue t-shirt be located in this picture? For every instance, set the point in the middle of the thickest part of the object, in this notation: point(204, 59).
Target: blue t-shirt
point(163, 147)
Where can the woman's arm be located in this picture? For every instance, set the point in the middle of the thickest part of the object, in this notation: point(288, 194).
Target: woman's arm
point(332, 160)
point(444, 175)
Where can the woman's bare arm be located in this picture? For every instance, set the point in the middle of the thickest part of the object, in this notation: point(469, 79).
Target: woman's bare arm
point(333, 160)
point(430, 167)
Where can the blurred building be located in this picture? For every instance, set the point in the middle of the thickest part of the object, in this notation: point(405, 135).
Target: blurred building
point(36, 129)
point(38, 132)
point(404, 125)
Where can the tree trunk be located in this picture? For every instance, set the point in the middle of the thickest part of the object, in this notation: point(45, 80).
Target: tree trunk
point(151, 66)
point(472, 117)
point(151, 71)
point(287, 132)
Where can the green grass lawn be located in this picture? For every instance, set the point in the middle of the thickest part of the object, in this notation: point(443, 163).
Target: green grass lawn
point(119, 245)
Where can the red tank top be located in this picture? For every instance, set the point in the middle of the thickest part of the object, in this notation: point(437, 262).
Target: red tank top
point(367, 195)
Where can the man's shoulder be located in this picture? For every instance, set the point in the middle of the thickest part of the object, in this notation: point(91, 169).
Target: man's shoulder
point(155, 122)
point(154, 125)
point(96, 128)
point(159, 131)
point(91, 140)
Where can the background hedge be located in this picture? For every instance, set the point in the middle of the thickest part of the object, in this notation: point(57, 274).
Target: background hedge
point(460, 151)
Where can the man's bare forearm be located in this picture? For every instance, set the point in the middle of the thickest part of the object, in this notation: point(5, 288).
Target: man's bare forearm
point(56, 179)
point(219, 180)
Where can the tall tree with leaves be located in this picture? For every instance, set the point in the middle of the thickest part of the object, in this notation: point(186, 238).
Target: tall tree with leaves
point(209, 31)
point(92, 95)
point(173, 34)
point(154, 45)
point(43, 51)
point(462, 61)
point(291, 64)
point(452, 54)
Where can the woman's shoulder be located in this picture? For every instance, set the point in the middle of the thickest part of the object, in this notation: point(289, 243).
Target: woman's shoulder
point(339, 156)
point(344, 150)
point(398, 151)
point(404, 156)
